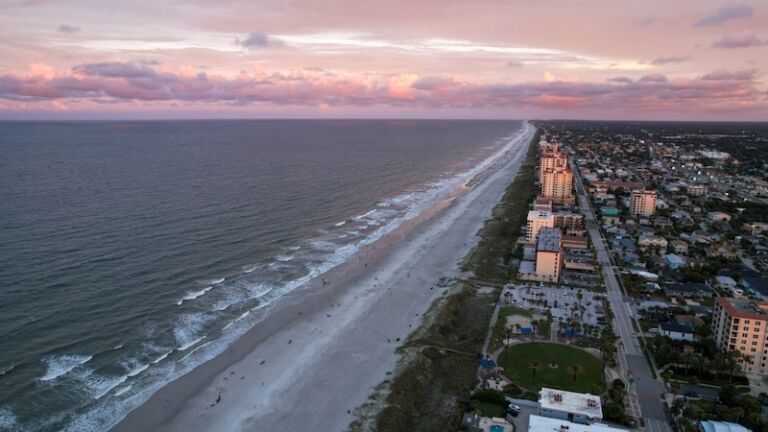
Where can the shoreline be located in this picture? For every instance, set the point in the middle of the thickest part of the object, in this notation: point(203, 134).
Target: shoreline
point(325, 346)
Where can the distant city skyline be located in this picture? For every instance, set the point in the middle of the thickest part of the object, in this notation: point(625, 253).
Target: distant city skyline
point(651, 60)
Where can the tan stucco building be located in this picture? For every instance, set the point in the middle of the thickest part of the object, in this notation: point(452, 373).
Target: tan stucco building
point(741, 324)
point(549, 254)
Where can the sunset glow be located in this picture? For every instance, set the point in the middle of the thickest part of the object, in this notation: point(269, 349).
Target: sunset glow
point(494, 59)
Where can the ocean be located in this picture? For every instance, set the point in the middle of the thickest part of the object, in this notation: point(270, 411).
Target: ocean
point(130, 252)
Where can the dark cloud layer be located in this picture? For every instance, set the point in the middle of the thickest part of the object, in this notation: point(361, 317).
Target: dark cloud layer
point(64, 28)
point(669, 59)
point(256, 40)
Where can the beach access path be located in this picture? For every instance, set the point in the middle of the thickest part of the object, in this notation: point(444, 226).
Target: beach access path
point(324, 348)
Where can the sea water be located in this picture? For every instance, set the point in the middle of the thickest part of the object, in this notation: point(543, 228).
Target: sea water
point(130, 252)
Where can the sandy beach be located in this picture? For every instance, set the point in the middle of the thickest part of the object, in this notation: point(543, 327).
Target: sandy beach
point(325, 346)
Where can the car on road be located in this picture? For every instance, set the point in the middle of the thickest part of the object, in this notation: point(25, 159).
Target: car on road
point(512, 409)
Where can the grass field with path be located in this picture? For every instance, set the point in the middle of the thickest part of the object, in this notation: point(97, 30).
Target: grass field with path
point(554, 370)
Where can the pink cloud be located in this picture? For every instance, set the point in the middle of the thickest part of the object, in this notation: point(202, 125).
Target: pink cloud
point(128, 83)
point(742, 39)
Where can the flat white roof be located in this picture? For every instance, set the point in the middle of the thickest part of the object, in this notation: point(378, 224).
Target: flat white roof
point(722, 426)
point(583, 404)
point(545, 424)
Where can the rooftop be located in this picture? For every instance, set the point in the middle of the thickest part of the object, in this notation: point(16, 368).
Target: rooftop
point(539, 214)
point(584, 404)
point(549, 240)
point(743, 308)
point(722, 426)
point(675, 327)
point(545, 424)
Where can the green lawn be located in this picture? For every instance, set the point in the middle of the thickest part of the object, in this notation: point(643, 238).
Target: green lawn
point(517, 360)
point(487, 409)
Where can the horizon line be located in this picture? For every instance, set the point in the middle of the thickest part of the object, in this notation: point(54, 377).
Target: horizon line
point(168, 119)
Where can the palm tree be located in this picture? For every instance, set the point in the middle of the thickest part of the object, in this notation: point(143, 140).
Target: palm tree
point(575, 370)
point(535, 365)
point(675, 386)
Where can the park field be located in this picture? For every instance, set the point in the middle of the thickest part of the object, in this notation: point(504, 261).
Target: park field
point(537, 365)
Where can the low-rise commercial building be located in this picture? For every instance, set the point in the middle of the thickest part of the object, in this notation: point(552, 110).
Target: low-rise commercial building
point(582, 408)
point(721, 426)
point(546, 424)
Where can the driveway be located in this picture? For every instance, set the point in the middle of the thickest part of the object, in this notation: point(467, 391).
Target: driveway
point(526, 409)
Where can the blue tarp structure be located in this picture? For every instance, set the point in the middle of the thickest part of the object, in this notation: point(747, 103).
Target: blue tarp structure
point(570, 332)
point(487, 363)
point(526, 330)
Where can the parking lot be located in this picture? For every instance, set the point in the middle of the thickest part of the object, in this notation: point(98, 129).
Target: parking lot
point(562, 303)
point(526, 409)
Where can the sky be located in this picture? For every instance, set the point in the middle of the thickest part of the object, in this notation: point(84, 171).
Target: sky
point(576, 59)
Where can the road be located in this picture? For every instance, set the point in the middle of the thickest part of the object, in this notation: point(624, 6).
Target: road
point(645, 391)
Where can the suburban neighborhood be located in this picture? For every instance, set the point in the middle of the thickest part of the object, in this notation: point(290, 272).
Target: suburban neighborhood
point(638, 297)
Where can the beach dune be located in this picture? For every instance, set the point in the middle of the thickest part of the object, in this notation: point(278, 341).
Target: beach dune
point(325, 347)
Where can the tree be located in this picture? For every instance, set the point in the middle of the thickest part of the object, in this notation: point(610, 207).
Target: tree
point(731, 362)
point(675, 386)
point(575, 370)
point(535, 365)
point(728, 395)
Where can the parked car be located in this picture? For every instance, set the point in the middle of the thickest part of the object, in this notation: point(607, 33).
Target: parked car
point(512, 409)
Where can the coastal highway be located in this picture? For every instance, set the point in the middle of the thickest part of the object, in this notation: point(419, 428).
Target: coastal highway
point(644, 393)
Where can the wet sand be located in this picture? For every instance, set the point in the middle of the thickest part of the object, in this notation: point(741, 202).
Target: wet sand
point(323, 348)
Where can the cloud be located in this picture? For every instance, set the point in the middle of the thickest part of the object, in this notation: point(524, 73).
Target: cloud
point(128, 82)
point(515, 63)
point(725, 14)
point(64, 28)
point(726, 75)
point(742, 39)
point(669, 59)
point(653, 78)
point(116, 70)
point(257, 40)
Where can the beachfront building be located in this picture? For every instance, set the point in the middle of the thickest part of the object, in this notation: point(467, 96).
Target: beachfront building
point(566, 221)
point(574, 407)
point(572, 223)
point(545, 424)
point(555, 176)
point(742, 324)
point(549, 254)
point(557, 185)
point(642, 203)
point(538, 219)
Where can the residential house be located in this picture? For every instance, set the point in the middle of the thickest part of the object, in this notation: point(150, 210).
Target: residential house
point(676, 331)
